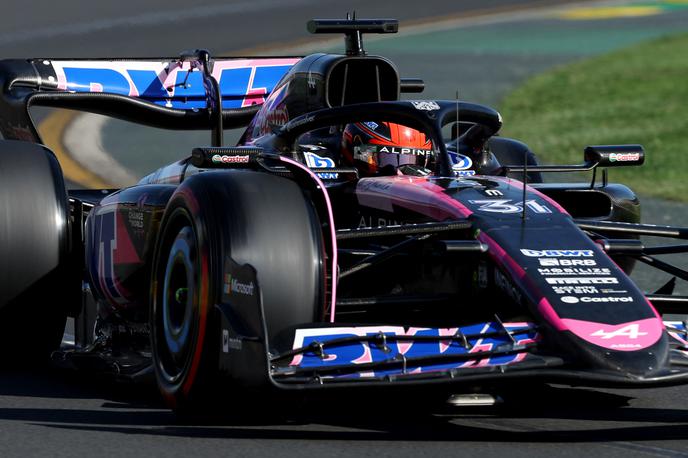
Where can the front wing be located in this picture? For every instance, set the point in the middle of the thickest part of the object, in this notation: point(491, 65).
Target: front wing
point(370, 355)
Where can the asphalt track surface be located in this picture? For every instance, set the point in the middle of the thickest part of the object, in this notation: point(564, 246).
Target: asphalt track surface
point(60, 413)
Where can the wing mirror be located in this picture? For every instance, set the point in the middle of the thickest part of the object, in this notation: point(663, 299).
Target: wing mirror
point(615, 155)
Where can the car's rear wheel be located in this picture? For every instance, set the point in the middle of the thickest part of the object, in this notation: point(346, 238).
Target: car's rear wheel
point(512, 152)
point(36, 282)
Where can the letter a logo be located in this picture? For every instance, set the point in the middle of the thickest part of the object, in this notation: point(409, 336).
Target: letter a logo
point(632, 331)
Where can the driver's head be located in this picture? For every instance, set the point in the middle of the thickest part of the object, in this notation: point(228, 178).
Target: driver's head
point(385, 148)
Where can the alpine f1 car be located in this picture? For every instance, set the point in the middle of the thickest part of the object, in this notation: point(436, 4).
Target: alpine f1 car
point(350, 239)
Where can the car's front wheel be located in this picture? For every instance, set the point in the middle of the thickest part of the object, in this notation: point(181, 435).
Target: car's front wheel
point(216, 220)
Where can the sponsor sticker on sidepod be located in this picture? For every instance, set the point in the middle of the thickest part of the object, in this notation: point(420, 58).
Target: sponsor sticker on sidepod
point(319, 162)
point(575, 271)
point(425, 105)
point(587, 299)
point(230, 159)
point(556, 253)
point(548, 262)
point(582, 280)
point(231, 284)
point(624, 157)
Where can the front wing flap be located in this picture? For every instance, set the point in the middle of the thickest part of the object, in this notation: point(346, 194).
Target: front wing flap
point(378, 351)
point(490, 351)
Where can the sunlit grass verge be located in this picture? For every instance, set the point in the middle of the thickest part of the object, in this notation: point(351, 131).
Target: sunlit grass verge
point(635, 95)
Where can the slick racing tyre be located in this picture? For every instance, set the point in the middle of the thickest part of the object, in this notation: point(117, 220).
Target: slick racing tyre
point(253, 218)
point(512, 152)
point(34, 253)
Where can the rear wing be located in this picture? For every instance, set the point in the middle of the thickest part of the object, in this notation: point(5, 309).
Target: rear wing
point(167, 93)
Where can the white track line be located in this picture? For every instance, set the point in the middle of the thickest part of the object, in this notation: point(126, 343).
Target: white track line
point(455, 22)
point(83, 139)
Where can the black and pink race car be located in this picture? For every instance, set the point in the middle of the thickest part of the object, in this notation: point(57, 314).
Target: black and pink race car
point(326, 249)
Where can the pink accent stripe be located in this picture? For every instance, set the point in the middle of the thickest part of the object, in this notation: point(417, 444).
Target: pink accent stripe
point(677, 337)
point(517, 272)
point(257, 62)
point(333, 233)
point(439, 192)
point(498, 252)
point(551, 315)
point(652, 307)
point(413, 193)
point(629, 336)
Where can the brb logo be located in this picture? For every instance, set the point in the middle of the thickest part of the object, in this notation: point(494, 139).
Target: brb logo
point(243, 82)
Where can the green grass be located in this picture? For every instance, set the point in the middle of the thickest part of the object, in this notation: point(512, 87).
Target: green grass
point(635, 95)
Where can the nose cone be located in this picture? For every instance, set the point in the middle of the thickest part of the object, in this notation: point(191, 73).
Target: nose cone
point(637, 348)
point(644, 363)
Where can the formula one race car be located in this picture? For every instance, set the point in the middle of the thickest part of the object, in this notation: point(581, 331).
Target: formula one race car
point(350, 239)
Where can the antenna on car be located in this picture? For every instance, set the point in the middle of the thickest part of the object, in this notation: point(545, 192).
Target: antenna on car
point(353, 30)
point(458, 124)
point(525, 181)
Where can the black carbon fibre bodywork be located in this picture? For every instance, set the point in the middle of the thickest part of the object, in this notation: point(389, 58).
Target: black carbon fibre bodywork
point(469, 270)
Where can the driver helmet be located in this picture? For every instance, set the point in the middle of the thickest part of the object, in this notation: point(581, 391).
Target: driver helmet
point(386, 148)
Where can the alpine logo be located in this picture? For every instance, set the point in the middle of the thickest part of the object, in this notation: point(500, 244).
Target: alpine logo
point(632, 331)
point(395, 150)
point(627, 336)
point(557, 253)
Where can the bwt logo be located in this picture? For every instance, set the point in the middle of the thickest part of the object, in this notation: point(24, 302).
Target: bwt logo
point(360, 351)
point(556, 253)
point(242, 83)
